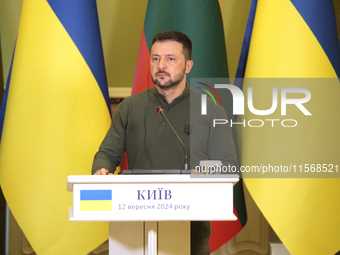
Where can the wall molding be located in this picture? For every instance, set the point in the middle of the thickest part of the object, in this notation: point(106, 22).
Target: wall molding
point(119, 92)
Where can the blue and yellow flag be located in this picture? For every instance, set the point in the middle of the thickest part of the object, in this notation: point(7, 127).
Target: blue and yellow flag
point(55, 117)
point(95, 200)
point(297, 39)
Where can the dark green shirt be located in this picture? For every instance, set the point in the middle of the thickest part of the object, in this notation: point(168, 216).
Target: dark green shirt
point(149, 142)
point(140, 131)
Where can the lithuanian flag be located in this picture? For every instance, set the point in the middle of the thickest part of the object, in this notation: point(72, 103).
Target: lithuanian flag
point(201, 20)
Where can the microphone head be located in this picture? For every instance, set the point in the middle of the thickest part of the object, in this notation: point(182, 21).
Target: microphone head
point(160, 110)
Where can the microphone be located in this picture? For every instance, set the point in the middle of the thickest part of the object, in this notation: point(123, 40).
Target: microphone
point(161, 112)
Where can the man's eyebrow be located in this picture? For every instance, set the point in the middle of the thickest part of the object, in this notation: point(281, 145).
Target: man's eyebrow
point(167, 55)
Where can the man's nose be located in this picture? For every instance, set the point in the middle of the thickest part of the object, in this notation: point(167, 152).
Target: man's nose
point(162, 64)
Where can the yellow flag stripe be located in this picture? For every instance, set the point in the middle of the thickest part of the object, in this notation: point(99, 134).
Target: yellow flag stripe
point(96, 205)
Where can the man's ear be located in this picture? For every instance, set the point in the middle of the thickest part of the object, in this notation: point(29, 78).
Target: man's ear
point(188, 66)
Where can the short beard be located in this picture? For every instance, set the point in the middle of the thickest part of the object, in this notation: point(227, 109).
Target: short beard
point(168, 85)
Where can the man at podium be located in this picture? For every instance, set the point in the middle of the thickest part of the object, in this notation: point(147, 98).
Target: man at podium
point(154, 127)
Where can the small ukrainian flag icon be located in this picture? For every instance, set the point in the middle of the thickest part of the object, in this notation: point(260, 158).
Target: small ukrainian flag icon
point(96, 200)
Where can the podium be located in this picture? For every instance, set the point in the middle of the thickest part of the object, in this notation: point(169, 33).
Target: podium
point(151, 214)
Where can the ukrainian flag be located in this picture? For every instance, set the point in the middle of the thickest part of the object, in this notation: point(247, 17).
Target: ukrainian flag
point(56, 115)
point(297, 39)
point(95, 200)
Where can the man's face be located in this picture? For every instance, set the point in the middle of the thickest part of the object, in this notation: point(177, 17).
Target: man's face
point(167, 64)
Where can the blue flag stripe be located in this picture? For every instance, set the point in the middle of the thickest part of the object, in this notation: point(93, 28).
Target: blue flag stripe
point(87, 40)
point(320, 17)
point(4, 98)
point(95, 195)
point(241, 68)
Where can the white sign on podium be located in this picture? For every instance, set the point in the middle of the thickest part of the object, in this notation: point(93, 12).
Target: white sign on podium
point(148, 210)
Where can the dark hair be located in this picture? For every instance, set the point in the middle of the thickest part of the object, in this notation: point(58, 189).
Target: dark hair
point(178, 37)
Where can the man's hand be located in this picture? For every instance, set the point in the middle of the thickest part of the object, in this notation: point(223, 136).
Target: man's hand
point(102, 171)
point(194, 171)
